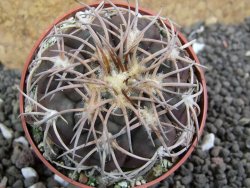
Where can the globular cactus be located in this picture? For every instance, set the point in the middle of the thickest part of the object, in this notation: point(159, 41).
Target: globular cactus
point(115, 90)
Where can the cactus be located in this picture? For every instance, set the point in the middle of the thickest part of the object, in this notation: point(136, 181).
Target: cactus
point(115, 90)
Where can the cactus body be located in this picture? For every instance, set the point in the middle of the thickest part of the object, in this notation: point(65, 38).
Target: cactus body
point(115, 91)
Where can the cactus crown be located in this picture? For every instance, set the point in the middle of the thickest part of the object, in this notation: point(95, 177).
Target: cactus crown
point(115, 91)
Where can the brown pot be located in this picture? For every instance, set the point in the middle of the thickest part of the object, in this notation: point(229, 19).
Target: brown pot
point(199, 73)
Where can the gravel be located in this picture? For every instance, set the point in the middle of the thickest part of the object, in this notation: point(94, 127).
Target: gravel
point(225, 164)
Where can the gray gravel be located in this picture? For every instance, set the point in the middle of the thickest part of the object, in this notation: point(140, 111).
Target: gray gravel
point(227, 164)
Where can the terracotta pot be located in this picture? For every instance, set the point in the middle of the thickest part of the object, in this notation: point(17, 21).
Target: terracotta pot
point(198, 71)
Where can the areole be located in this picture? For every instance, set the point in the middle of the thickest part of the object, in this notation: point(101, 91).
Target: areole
point(199, 73)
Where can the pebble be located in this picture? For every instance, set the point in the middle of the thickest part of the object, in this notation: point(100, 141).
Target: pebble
point(13, 171)
point(2, 153)
point(247, 156)
point(190, 166)
point(200, 179)
point(244, 121)
point(2, 117)
point(234, 59)
point(216, 151)
point(238, 131)
point(6, 132)
point(18, 184)
point(235, 147)
point(220, 176)
point(1, 169)
point(4, 181)
point(22, 140)
point(187, 179)
point(30, 181)
point(184, 170)
point(247, 182)
point(29, 172)
point(60, 180)
point(218, 123)
point(51, 183)
point(137, 183)
point(230, 136)
point(202, 153)
point(248, 143)
point(18, 126)
point(221, 183)
point(1, 103)
point(15, 154)
point(25, 158)
point(197, 160)
point(38, 185)
point(208, 142)
point(247, 53)
point(6, 162)
point(217, 160)
point(198, 47)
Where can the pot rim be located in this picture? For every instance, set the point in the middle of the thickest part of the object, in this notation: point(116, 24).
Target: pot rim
point(199, 74)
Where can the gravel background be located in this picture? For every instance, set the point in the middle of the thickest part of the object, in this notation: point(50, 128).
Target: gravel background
point(227, 164)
